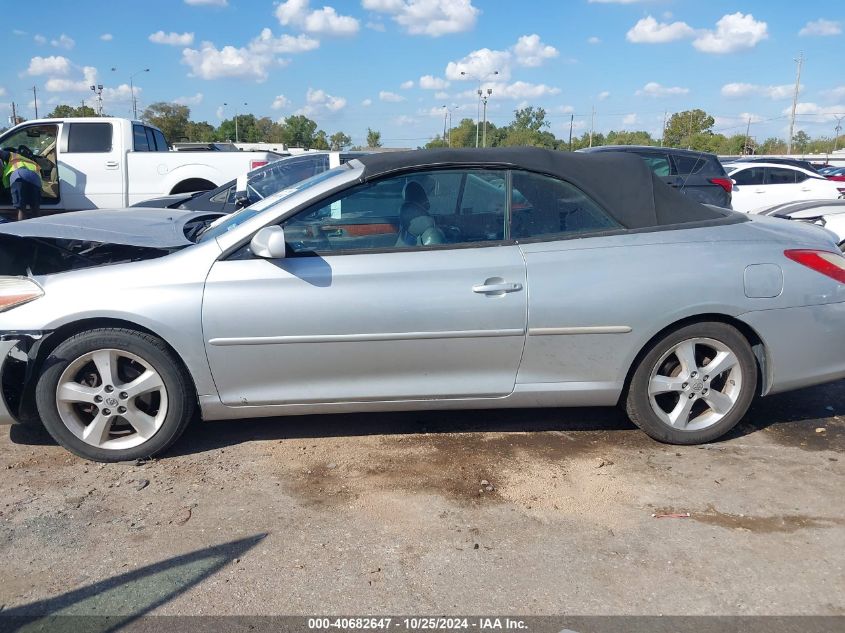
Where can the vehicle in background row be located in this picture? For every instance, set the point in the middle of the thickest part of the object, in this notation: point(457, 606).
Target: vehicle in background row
point(837, 174)
point(429, 279)
point(829, 214)
point(697, 174)
point(759, 185)
point(793, 162)
point(256, 184)
point(102, 162)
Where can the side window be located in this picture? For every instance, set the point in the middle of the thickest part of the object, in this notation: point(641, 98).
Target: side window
point(281, 174)
point(151, 139)
point(545, 207)
point(139, 137)
point(39, 143)
point(418, 210)
point(227, 195)
point(780, 176)
point(657, 162)
point(89, 138)
point(750, 176)
point(161, 142)
point(686, 165)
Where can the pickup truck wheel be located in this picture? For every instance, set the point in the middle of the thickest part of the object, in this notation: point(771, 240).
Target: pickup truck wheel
point(194, 184)
point(113, 395)
point(693, 385)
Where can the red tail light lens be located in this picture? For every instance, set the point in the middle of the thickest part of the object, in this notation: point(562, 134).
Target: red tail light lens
point(255, 164)
point(725, 183)
point(824, 262)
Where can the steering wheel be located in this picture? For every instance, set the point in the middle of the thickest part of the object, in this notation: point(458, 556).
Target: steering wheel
point(24, 151)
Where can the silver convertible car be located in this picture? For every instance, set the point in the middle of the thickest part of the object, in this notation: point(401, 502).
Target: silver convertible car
point(437, 279)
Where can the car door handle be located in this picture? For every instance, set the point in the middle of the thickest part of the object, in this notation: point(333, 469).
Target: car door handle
point(806, 189)
point(498, 288)
point(759, 191)
point(112, 164)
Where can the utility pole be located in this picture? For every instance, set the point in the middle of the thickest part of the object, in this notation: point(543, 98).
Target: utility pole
point(663, 135)
point(837, 130)
point(445, 116)
point(485, 98)
point(571, 121)
point(689, 131)
point(35, 100)
point(592, 125)
point(800, 62)
point(14, 115)
point(747, 134)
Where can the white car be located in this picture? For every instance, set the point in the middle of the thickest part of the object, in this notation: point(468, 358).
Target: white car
point(829, 214)
point(761, 185)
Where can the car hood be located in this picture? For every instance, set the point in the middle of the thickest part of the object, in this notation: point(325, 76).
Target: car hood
point(138, 226)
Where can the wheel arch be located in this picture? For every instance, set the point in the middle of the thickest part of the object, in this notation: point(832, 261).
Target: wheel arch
point(192, 184)
point(758, 347)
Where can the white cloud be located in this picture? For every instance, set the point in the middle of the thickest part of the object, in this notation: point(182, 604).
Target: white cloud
point(172, 38)
point(63, 41)
point(57, 84)
point(738, 122)
point(209, 3)
point(441, 95)
point(320, 100)
point(742, 90)
point(428, 17)
point(39, 39)
point(376, 26)
point(281, 101)
point(650, 31)
point(18, 32)
point(593, 40)
point(564, 109)
point(367, 103)
point(123, 93)
point(2, 91)
point(253, 61)
point(821, 28)
point(407, 85)
point(404, 120)
point(603, 95)
point(107, 37)
point(835, 93)
point(654, 89)
point(480, 64)
point(815, 113)
point(390, 97)
point(323, 21)
point(734, 32)
point(530, 51)
point(429, 82)
point(516, 91)
point(53, 65)
point(630, 119)
point(194, 100)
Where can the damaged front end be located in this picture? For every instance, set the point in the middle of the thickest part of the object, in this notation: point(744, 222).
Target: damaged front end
point(18, 353)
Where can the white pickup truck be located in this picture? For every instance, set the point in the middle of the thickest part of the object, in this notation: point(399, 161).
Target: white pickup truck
point(103, 162)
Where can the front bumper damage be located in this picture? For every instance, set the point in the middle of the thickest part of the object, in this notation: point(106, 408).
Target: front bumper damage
point(18, 353)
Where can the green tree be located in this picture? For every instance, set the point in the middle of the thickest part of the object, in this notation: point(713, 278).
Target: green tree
point(320, 140)
point(339, 141)
point(800, 141)
point(170, 118)
point(773, 145)
point(688, 128)
point(298, 131)
point(66, 111)
point(625, 137)
point(200, 132)
point(373, 138)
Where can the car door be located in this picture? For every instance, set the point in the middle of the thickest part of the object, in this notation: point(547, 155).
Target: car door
point(38, 142)
point(402, 289)
point(785, 184)
point(91, 166)
point(749, 191)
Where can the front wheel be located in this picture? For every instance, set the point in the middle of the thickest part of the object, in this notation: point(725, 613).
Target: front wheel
point(113, 395)
point(694, 385)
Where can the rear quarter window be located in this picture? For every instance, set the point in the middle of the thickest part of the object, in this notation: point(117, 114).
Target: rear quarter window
point(89, 138)
point(685, 165)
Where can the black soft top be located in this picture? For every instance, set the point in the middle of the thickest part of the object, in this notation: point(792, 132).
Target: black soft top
point(621, 183)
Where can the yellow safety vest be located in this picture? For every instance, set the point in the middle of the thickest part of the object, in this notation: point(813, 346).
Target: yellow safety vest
point(15, 162)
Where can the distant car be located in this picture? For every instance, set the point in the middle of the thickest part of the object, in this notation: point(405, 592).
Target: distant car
point(759, 185)
point(254, 185)
point(829, 214)
point(697, 174)
point(837, 174)
point(794, 162)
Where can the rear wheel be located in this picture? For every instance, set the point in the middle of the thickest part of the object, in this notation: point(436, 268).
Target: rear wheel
point(694, 385)
point(113, 395)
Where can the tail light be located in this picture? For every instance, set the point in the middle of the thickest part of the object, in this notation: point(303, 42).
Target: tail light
point(824, 262)
point(255, 164)
point(725, 183)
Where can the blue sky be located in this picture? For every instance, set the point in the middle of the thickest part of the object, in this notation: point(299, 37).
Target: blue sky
point(393, 64)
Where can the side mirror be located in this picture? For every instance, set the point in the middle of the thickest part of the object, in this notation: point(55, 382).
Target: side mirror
point(241, 200)
point(269, 243)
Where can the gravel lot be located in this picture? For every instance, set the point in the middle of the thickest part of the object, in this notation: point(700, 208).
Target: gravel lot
point(479, 512)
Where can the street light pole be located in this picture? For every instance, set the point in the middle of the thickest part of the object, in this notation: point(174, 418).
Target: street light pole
point(485, 98)
point(132, 90)
point(800, 62)
point(479, 92)
point(836, 131)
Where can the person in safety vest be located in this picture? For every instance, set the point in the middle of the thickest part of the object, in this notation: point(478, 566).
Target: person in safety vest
point(22, 177)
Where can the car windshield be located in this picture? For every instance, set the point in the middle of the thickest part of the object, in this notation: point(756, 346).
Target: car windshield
point(229, 222)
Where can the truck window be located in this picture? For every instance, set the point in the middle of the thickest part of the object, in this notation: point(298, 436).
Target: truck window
point(161, 142)
point(140, 139)
point(151, 141)
point(89, 138)
point(39, 143)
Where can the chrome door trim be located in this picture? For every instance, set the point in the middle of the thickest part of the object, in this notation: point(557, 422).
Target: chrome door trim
point(357, 338)
point(595, 329)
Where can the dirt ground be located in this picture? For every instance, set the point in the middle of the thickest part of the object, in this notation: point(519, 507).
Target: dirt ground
point(478, 512)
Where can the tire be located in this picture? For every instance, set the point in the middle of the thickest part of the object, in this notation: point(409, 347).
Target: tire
point(84, 413)
point(675, 399)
